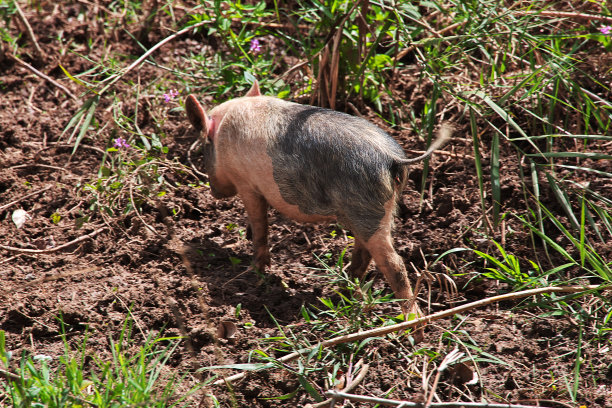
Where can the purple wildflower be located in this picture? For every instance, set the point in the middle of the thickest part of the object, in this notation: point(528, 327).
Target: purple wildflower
point(121, 142)
point(255, 46)
point(170, 95)
point(606, 29)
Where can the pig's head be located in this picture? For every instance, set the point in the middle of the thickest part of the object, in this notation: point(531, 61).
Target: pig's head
point(209, 127)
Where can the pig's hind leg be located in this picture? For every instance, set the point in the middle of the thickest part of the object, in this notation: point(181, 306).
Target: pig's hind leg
point(380, 246)
point(257, 211)
point(392, 267)
point(360, 260)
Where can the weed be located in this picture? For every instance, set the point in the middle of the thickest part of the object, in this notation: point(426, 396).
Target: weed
point(134, 375)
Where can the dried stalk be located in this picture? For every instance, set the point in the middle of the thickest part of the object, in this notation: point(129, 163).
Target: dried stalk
point(404, 404)
point(43, 76)
point(348, 388)
point(568, 14)
point(55, 249)
point(114, 78)
point(24, 20)
point(422, 321)
point(42, 190)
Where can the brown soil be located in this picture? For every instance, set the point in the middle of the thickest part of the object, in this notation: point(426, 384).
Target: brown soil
point(184, 277)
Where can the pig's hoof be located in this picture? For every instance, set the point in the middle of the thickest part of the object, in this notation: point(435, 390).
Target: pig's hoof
point(259, 270)
point(411, 310)
point(261, 260)
point(260, 267)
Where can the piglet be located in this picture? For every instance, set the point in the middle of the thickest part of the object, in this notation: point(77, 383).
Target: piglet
point(312, 165)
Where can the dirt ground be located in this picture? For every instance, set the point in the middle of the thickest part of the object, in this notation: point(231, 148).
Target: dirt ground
point(191, 274)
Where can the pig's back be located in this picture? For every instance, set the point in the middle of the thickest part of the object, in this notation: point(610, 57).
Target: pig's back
point(331, 163)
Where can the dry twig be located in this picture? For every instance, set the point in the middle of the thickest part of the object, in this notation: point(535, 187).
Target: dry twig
point(60, 275)
point(44, 166)
point(14, 377)
point(194, 146)
point(43, 76)
point(55, 249)
point(568, 14)
point(24, 20)
point(348, 388)
point(405, 404)
point(442, 153)
point(113, 78)
point(9, 376)
point(381, 331)
point(42, 190)
point(44, 279)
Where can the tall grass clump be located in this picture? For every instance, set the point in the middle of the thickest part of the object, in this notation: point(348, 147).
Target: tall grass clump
point(129, 374)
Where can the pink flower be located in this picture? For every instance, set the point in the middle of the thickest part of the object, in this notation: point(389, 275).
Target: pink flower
point(255, 46)
point(121, 142)
point(170, 95)
point(606, 30)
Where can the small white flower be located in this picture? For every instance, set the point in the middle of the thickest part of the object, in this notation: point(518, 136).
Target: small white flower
point(42, 357)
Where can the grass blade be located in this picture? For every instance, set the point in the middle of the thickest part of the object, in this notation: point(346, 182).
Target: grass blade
point(495, 179)
point(478, 163)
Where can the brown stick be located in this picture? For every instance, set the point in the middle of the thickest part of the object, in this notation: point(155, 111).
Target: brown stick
point(42, 190)
point(336, 395)
point(24, 20)
point(560, 14)
point(14, 377)
point(55, 249)
point(60, 275)
point(43, 76)
point(9, 376)
point(194, 146)
point(569, 14)
point(442, 153)
point(349, 388)
point(422, 321)
point(107, 11)
point(44, 166)
point(113, 78)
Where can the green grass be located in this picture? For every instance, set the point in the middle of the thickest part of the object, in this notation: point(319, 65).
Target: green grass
point(128, 373)
point(355, 307)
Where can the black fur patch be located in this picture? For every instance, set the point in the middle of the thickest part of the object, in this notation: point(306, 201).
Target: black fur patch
point(331, 163)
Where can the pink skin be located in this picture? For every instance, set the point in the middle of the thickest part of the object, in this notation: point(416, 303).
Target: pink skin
point(242, 166)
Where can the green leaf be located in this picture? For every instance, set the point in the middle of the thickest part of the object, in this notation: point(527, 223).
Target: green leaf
point(86, 122)
point(563, 200)
point(478, 162)
point(309, 388)
point(249, 77)
point(583, 155)
point(78, 81)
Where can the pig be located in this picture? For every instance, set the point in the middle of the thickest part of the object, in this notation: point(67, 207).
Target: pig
point(312, 165)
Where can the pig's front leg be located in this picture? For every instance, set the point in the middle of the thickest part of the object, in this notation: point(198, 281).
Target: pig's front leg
point(257, 211)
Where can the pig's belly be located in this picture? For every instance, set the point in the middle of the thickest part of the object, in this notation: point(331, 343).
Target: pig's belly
point(293, 211)
point(259, 180)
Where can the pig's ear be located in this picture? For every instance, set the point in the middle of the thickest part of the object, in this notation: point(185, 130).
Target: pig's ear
point(254, 91)
point(196, 115)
